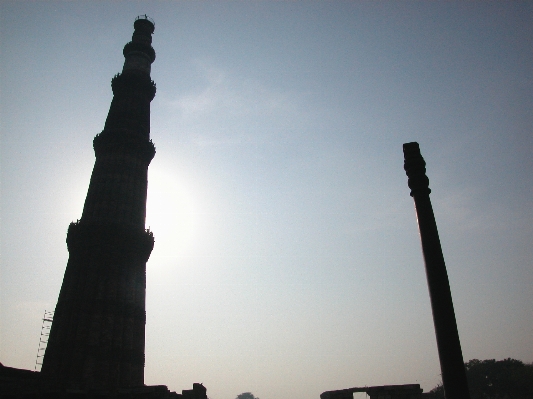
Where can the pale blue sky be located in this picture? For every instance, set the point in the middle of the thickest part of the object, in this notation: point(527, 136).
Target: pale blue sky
point(287, 258)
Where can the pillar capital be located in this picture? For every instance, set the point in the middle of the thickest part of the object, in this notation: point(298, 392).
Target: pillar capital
point(415, 168)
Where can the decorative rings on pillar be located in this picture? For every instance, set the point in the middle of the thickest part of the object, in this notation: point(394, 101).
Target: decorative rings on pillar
point(415, 168)
point(110, 240)
point(125, 82)
point(139, 47)
point(124, 141)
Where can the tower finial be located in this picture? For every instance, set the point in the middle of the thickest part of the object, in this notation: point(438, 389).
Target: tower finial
point(145, 18)
point(139, 53)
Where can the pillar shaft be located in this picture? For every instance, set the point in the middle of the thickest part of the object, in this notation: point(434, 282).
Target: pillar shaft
point(448, 344)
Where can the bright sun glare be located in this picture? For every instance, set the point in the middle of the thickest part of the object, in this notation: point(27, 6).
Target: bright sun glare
point(170, 213)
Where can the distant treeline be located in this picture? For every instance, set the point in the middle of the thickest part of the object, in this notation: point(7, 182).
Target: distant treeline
point(491, 379)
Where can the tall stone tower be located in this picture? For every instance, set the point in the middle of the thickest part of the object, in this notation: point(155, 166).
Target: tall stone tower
point(97, 337)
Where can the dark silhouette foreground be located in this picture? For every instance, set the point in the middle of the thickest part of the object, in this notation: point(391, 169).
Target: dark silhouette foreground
point(496, 379)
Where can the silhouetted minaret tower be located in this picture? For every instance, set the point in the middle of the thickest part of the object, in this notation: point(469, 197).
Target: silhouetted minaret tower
point(97, 337)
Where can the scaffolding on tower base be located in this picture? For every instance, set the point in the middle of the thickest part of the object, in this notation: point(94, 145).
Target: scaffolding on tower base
point(48, 317)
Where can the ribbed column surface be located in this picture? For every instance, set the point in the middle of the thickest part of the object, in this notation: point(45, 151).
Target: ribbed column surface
point(97, 336)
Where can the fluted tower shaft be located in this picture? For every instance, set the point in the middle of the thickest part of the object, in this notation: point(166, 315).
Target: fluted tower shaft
point(97, 336)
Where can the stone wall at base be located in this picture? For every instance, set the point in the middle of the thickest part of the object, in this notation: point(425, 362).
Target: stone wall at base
point(26, 384)
point(407, 391)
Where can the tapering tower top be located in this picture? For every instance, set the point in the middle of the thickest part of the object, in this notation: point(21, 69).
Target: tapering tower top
point(144, 19)
point(139, 53)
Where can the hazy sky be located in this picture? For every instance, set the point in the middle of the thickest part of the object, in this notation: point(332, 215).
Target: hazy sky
point(287, 260)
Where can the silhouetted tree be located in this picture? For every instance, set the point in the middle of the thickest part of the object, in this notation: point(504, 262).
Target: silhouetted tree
point(491, 379)
point(246, 395)
point(437, 392)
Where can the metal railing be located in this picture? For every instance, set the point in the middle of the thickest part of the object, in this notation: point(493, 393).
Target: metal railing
point(145, 17)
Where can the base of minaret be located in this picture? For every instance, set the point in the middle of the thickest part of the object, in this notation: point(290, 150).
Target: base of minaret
point(26, 384)
point(98, 331)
